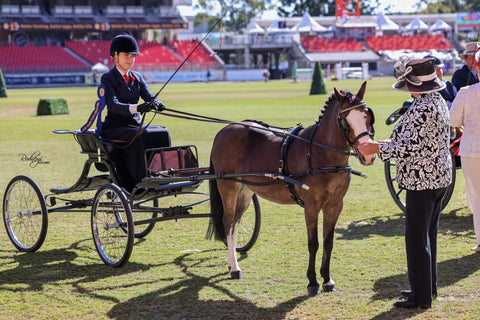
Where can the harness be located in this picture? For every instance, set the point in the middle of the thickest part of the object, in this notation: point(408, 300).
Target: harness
point(283, 164)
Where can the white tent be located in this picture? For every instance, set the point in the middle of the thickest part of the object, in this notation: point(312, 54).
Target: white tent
point(100, 68)
point(307, 24)
point(255, 29)
point(276, 28)
point(385, 23)
point(440, 25)
point(416, 25)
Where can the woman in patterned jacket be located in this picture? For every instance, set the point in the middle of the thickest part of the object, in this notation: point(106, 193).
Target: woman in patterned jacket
point(419, 146)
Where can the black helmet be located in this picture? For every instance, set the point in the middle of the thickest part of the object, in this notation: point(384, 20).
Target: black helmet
point(124, 43)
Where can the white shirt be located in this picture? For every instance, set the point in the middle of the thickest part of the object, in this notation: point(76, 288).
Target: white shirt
point(465, 111)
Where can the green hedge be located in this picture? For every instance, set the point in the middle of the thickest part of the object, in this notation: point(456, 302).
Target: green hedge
point(52, 106)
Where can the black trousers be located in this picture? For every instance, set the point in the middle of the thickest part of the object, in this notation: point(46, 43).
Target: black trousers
point(129, 161)
point(422, 216)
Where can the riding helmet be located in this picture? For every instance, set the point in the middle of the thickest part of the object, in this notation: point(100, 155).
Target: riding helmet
point(124, 43)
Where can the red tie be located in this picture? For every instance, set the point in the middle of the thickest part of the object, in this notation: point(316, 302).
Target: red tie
point(126, 77)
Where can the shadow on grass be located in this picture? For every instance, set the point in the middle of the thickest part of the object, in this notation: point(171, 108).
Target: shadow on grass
point(33, 271)
point(449, 272)
point(394, 225)
point(183, 299)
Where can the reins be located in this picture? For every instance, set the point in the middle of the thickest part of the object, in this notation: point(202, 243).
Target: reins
point(196, 117)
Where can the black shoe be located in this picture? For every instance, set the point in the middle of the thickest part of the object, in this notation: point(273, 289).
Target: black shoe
point(411, 305)
point(406, 293)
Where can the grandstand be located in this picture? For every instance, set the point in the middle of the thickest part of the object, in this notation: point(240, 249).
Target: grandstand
point(331, 44)
point(420, 42)
point(39, 60)
point(202, 56)
point(56, 38)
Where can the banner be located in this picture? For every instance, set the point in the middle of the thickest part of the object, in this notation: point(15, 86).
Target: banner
point(468, 20)
point(104, 26)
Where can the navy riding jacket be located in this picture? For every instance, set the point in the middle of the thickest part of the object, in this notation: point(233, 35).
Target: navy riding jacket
point(119, 96)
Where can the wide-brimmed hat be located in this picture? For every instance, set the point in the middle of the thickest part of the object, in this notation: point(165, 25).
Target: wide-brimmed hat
point(416, 76)
point(437, 60)
point(470, 49)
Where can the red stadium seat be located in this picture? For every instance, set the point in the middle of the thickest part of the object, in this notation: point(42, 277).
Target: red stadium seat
point(39, 59)
point(331, 44)
point(423, 42)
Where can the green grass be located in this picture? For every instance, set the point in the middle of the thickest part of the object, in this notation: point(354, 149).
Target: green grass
point(175, 273)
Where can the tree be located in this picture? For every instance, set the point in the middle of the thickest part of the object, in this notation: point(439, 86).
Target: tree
point(3, 88)
point(318, 85)
point(240, 13)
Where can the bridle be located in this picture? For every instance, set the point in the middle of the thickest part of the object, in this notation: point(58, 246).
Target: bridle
point(346, 127)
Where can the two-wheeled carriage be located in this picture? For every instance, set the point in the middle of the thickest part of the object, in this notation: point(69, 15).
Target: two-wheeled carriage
point(117, 216)
point(398, 194)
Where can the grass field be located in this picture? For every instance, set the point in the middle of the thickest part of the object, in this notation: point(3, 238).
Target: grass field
point(175, 273)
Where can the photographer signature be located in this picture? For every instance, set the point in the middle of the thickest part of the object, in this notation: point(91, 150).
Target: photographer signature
point(34, 159)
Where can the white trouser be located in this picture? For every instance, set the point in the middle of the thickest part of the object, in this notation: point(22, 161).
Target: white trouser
point(471, 173)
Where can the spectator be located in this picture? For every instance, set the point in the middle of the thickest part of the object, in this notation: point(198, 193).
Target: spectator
point(419, 145)
point(466, 76)
point(464, 112)
point(450, 91)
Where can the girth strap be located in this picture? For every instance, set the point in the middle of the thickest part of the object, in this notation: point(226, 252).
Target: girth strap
point(283, 164)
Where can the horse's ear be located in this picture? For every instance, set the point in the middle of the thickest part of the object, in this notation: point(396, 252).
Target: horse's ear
point(361, 91)
point(337, 94)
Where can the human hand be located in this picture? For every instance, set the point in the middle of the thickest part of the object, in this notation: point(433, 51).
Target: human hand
point(144, 107)
point(367, 148)
point(159, 106)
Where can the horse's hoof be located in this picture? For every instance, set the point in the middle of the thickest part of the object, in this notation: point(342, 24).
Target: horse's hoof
point(314, 291)
point(236, 275)
point(329, 288)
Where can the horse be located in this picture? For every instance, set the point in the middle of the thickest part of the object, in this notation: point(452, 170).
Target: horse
point(316, 156)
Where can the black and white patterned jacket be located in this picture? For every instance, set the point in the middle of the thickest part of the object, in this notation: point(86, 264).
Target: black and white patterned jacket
point(420, 145)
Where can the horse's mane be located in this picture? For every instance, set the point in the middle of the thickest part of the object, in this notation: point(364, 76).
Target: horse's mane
point(330, 99)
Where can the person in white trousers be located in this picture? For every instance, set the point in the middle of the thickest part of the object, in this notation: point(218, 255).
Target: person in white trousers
point(465, 112)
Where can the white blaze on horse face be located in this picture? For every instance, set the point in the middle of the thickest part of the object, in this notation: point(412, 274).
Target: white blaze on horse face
point(357, 120)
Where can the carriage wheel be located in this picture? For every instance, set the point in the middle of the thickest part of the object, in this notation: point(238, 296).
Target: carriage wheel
point(25, 214)
point(249, 226)
point(142, 230)
point(112, 225)
point(398, 194)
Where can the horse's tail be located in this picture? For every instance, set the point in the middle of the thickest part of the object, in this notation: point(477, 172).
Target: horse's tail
point(216, 228)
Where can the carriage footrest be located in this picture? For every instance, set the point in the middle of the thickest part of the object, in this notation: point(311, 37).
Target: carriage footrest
point(176, 210)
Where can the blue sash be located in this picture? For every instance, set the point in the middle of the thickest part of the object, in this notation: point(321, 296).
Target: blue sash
point(97, 112)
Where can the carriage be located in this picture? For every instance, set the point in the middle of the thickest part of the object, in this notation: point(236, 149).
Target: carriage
point(117, 216)
point(398, 194)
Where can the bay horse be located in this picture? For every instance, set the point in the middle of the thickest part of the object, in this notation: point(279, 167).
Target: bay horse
point(316, 156)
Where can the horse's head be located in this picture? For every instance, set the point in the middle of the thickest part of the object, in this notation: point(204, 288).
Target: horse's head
point(356, 120)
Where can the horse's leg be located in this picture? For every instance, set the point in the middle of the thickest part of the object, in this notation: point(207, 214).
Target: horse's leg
point(330, 217)
point(311, 219)
point(230, 193)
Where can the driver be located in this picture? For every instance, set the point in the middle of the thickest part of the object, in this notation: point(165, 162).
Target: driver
point(124, 88)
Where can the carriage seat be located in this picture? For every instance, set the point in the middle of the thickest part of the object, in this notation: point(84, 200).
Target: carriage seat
point(96, 148)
